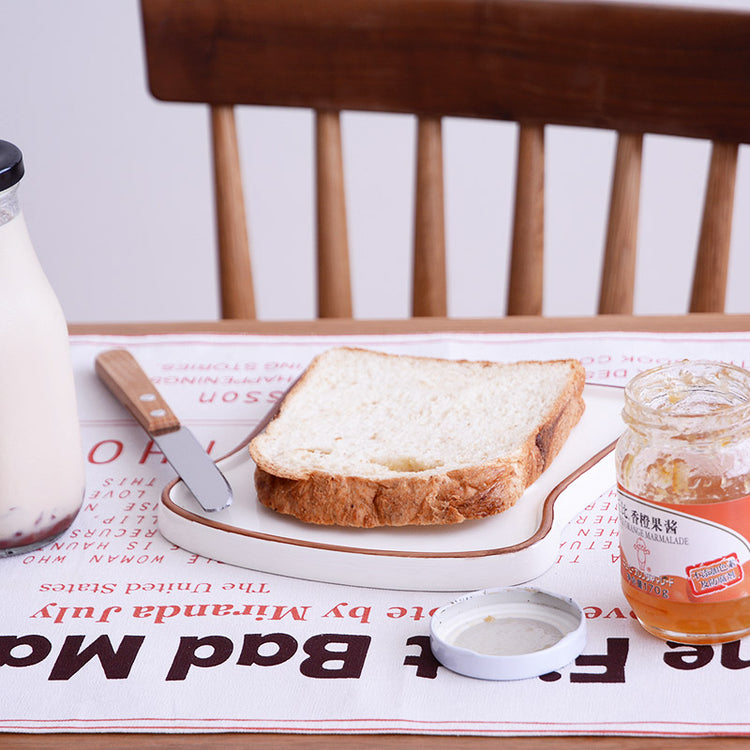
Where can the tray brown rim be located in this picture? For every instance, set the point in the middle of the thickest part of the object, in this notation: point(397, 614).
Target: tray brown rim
point(544, 528)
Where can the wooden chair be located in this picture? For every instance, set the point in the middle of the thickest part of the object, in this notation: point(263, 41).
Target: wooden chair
point(632, 69)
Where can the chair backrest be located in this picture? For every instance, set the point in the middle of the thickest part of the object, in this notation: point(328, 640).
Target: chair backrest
point(632, 69)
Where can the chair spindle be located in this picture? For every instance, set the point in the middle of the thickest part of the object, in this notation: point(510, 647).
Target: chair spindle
point(712, 259)
point(334, 280)
point(526, 283)
point(429, 289)
point(618, 272)
point(235, 275)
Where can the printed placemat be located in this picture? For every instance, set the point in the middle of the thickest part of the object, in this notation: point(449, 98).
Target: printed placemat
point(113, 628)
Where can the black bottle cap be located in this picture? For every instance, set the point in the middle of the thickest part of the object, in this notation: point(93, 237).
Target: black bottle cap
point(11, 165)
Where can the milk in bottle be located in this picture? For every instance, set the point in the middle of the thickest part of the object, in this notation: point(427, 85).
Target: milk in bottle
point(41, 460)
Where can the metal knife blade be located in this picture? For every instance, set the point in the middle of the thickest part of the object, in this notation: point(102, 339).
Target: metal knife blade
point(123, 376)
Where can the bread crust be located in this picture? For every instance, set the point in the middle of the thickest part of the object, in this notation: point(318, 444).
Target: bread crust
point(425, 498)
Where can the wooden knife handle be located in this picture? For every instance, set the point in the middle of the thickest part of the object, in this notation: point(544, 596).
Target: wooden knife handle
point(121, 373)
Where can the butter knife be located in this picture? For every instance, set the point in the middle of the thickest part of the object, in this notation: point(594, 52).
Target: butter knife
point(123, 376)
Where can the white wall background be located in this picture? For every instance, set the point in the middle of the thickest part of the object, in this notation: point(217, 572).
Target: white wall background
point(117, 191)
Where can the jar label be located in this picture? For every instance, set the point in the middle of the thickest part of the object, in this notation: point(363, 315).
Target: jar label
point(685, 552)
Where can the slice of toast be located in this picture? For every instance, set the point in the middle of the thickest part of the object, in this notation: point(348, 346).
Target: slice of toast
point(370, 439)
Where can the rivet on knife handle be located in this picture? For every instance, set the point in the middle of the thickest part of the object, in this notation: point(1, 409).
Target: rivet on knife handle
point(122, 374)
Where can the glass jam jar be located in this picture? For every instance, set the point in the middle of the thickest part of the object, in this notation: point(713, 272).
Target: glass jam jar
point(683, 480)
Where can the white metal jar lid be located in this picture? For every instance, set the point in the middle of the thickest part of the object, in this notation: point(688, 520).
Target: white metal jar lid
point(508, 633)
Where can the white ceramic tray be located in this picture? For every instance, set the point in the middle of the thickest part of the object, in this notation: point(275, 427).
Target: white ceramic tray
point(510, 548)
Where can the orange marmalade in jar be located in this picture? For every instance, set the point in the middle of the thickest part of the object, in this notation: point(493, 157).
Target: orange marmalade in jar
point(683, 481)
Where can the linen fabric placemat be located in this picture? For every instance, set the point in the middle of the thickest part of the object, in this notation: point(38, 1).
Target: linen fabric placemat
point(113, 628)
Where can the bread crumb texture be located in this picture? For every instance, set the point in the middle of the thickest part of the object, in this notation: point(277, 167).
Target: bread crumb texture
point(371, 439)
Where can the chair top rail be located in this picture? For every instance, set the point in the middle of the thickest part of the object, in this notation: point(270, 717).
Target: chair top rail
point(681, 71)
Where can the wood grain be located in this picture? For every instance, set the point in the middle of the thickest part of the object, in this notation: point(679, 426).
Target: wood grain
point(626, 67)
point(526, 285)
point(617, 288)
point(704, 322)
point(334, 277)
point(121, 373)
point(712, 261)
point(429, 285)
point(235, 276)
point(358, 742)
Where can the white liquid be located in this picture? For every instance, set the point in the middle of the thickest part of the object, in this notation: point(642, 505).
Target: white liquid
point(41, 460)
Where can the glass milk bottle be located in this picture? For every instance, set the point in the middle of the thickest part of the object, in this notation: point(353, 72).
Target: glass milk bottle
point(41, 459)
